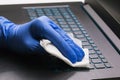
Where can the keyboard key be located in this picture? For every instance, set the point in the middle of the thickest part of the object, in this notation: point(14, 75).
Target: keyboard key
point(98, 52)
point(96, 48)
point(108, 65)
point(69, 20)
point(64, 26)
point(91, 66)
point(101, 56)
point(92, 51)
point(60, 20)
point(32, 18)
point(71, 23)
point(73, 26)
point(91, 42)
point(77, 32)
point(85, 43)
point(57, 17)
point(75, 29)
point(38, 10)
point(32, 13)
point(93, 45)
point(79, 36)
point(67, 16)
point(62, 23)
point(93, 56)
point(83, 39)
point(99, 66)
point(84, 32)
point(67, 29)
point(96, 61)
point(86, 35)
point(104, 60)
point(87, 46)
point(82, 29)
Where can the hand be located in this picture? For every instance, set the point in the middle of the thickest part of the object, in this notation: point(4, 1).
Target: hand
point(25, 38)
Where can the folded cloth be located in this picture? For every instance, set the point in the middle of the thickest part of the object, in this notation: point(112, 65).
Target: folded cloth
point(51, 49)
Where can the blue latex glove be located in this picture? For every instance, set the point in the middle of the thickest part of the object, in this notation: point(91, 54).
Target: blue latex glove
point(25, 38)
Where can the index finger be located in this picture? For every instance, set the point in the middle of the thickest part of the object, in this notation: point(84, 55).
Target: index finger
point(61, 40)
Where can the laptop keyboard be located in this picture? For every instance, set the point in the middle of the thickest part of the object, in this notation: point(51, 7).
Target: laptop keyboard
point(64, 17)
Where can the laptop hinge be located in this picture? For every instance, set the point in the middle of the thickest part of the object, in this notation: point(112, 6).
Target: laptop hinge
point(114, 40)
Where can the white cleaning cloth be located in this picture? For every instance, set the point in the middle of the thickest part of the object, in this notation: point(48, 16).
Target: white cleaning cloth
point(51, 49)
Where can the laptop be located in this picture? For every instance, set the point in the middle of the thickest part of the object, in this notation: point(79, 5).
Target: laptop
point(87, 24)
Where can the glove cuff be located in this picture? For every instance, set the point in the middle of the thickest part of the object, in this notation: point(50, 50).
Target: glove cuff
point(5, 26)
point(2, 39)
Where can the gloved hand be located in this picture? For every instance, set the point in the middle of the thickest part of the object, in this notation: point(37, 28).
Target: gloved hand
point(24, 38)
